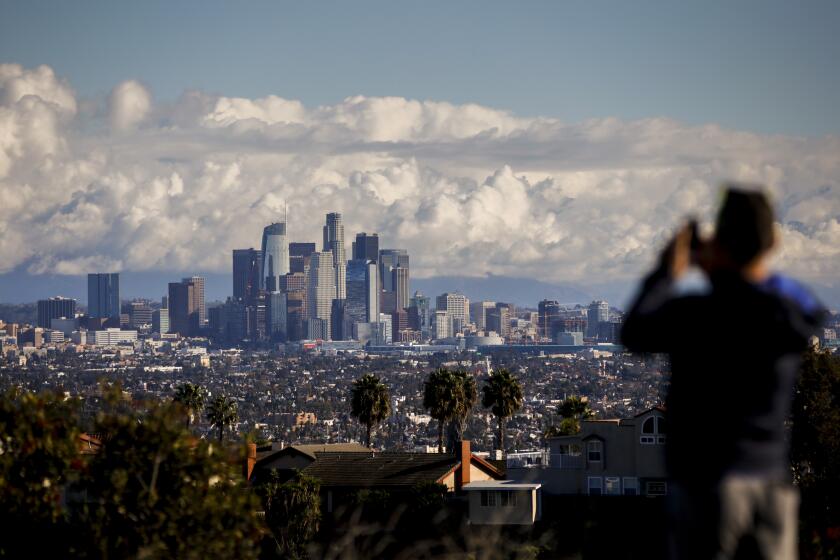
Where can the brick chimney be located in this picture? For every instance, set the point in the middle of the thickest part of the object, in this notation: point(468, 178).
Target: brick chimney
point(464, 455)
point(250, 460)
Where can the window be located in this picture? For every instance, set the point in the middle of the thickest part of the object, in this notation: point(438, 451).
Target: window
point(612, 486)
point(484, 498)
point(657, 488)
point(631, 486)
point(653, 431)
point(593, 451)
point(504, 499)
point(594, 485)
point(491, 499)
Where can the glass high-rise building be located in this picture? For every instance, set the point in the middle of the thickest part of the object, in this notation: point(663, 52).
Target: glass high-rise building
point(320, 290)
point(104, 295)
point(183, 317)
point(362, 304)
point(400, 282)
point(247, 274)
point(598, 312)
point(366, 247)
point(549, 313)
point(275, 251)
point(334, 243)
point(198, 298)
point(299, 254)
point(389, 259)
point(55, 308)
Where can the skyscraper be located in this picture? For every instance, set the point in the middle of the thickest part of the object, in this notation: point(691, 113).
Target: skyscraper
point(366, 247)
point(420, 314)
point(104, 295)
point(389, 259)
point(198, 303)
point(400, 281)
point(478, 313)
point(299, 254)
point(334, 243)
point(320, 290)
point(183, 317)
point(55, 308)
point(599, 312)
point(247, 272)
point(275, 250)
point(549, 312)
point(362, 291)
point(457, 308)
point(276, 316)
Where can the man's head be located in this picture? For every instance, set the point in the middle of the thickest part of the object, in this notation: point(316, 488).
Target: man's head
point(744, 230)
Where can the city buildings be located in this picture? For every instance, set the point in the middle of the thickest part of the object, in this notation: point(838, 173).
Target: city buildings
point(457, 308)
point(389, 259)
point(478, 313)
point(55, 308)
point(549, 313)
point(186, 299)
point(362, 304)
point(104, 295)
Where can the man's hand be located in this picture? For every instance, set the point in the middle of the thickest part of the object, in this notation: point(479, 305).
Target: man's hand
point(676, 257)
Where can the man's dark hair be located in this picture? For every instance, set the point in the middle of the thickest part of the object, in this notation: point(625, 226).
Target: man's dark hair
point(745, 224)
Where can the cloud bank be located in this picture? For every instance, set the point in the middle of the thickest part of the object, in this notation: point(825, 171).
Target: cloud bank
point(125, 183)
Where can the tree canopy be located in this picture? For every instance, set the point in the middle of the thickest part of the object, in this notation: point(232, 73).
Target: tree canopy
point(503, 396)
point(370, 402)
point(222, 413)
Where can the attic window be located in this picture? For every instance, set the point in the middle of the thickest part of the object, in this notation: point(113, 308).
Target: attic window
point(653, 431)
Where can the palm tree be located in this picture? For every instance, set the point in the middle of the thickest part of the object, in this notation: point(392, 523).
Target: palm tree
point(192, 398)
point(503, 396)
point(440, 396)
point(465, 396)
point(572, 410)
point(222, 413)
point(370, 402)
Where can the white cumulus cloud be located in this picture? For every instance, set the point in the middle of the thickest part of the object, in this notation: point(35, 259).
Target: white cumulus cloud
point(466, 189)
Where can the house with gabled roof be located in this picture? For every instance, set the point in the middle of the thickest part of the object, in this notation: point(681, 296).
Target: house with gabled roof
point(608, 457)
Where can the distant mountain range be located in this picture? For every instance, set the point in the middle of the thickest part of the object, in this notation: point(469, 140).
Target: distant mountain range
point(21, 287)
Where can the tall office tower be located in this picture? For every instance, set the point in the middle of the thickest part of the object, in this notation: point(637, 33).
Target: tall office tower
point(457, 307)
point(320, 290)
point(55, 308)
point(247, 274)
point(548, 314)
point(334, 242)
point(276, 317)
point(400, 281)
point(362, 291)
point(399, 323)
point(256, 319)
point(198, 303)
point(140, 314)
point(340, 325)
point(390, 259)
point(598, 312)
point(442, 324)
point(498, 319)
point(295, 314)
point(183, 316)
point(385, 331)
point(423, 313)
point(478, 313)
point(366, 247)
point(275, 250)
point(299, 255)
point(104, 295)
point(229, 321)
point(160, 320)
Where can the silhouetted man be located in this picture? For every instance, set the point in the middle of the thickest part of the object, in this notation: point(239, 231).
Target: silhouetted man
point(735, 353)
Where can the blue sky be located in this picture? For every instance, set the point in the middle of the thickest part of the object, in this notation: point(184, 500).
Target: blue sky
point(763, 66)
